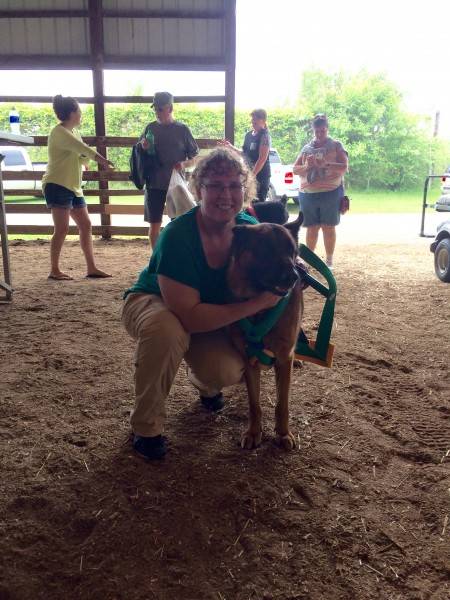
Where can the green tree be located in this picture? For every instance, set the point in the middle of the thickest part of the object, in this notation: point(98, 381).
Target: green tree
point(387, 146)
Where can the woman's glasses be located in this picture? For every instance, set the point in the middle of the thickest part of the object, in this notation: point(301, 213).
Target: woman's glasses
point(219, 188)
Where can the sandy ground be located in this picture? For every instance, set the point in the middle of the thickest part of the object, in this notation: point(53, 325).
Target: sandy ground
point(359, 511)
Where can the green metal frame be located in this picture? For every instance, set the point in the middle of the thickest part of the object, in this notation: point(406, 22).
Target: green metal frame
point(319, 351)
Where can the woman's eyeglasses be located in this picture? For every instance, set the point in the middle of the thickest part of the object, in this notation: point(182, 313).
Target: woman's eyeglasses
point(219, 188)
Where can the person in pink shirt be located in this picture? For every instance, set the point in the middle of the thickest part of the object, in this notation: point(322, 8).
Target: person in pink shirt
point(321, 165)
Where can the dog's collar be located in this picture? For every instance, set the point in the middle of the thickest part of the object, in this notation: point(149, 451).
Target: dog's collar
point(254, 333)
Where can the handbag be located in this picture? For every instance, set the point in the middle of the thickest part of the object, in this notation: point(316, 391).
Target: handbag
point(179, 199)
point(344, 205)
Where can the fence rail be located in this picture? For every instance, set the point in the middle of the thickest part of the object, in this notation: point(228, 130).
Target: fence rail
point(104, 193)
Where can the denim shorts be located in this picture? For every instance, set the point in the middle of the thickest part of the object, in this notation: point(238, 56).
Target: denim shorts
point(57, 196)
point(321, 208)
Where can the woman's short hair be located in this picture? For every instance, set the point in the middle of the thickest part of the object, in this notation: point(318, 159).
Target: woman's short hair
point(64, 106)
point(223, 161)
point(320, 120)
point(259, 113)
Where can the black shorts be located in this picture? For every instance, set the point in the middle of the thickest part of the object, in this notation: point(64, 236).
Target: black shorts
point(154, 201)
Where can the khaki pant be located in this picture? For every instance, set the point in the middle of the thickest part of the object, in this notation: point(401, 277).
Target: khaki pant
point(162, 343)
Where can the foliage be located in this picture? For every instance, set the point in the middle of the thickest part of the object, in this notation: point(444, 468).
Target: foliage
point(388, 147)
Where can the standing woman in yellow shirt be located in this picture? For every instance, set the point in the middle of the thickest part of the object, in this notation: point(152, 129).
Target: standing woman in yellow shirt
point(62, 185)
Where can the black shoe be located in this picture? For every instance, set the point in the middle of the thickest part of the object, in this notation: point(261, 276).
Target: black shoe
point(153, 448)
point(213, 403)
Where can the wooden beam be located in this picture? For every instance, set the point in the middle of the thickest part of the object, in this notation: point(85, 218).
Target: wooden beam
point(166, 63)
point(44, 61)
point(83, 61)
point(43, 99)
point(96, 230)
point(38, 193)
point(97, 54)
point(87, 175)
point(230, 72)
point(116, 99)
point(115, 141)
point(111, 13)
point(39, 209)
point(124, 209)
point(42, 14)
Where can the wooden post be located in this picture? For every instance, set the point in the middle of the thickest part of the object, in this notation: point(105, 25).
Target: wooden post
point(5, 285)
point(230, 72)
point(97, 57)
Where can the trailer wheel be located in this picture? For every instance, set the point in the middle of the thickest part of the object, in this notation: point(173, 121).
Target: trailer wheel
point(442, 260)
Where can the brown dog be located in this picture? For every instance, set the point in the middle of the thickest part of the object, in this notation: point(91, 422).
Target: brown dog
point(264, 257)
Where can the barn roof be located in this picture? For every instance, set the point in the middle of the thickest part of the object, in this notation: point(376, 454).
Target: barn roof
point(124, 34)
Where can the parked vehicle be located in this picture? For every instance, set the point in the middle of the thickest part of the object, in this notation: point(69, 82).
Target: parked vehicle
point(441, 250)
point(445, 186)
point(18, 159)
point(283, 182)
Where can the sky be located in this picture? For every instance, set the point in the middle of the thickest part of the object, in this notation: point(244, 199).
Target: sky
point(278, 40)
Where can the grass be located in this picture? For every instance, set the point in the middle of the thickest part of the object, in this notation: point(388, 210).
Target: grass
point(361, 202)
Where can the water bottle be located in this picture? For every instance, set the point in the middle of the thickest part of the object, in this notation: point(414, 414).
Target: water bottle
point(151, 142)
point(14, 121)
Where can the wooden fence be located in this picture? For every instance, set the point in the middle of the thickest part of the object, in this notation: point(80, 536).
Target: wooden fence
point(102, 176)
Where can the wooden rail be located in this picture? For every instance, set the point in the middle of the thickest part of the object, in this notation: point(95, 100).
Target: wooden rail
point(103, 177)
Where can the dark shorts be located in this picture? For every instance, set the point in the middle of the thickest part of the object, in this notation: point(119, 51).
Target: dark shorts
point(57, 196)
point(321, 208)
point(154, 201)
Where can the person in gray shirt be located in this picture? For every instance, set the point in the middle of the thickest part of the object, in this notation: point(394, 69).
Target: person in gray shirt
point(174, 147)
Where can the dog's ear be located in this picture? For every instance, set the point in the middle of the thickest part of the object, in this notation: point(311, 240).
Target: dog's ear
point(284, 199)
point(294, 226)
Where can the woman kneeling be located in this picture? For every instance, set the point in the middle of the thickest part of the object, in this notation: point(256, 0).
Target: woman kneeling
point(177, 308)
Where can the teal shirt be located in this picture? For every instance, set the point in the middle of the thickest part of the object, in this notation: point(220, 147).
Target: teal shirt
point(179, 254)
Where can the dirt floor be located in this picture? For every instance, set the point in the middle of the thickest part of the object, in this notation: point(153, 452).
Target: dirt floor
point(359, 511)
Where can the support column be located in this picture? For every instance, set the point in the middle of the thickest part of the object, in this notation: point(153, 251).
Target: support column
point(230, 73)
point(97, 58)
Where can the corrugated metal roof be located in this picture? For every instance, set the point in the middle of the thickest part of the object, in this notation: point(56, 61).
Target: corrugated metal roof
point(185, 29)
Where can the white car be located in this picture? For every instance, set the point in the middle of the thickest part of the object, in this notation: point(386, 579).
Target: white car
point(18, 159)
point(445, 186)
point(283, 182)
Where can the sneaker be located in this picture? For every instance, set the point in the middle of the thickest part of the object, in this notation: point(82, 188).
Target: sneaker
point(329, 263)
point(213, 403)
point(153, 448)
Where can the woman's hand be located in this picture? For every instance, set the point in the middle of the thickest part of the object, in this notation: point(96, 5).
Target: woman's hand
point(145, 145)
point(106, 163)
point(268, 300)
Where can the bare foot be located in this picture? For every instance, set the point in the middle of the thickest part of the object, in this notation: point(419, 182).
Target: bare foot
point(59, 276)
point(97, 274)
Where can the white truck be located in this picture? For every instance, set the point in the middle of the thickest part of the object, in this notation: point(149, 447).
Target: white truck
point(18, 159)
point(283, 182)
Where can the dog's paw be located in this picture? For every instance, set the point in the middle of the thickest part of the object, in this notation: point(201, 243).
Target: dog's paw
point(286, 441)
point(251, 440)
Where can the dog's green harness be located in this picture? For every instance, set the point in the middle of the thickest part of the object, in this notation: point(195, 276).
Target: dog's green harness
point(319, 351)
